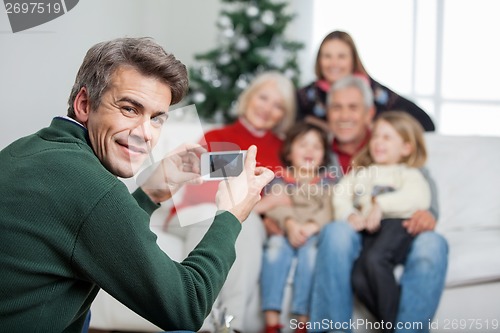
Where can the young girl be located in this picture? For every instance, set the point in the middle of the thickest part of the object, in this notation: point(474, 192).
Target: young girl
point(308, 186)
point(384, 188)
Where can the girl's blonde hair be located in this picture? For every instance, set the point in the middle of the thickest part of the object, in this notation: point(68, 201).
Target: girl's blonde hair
point(285, 88)
point(409, 129)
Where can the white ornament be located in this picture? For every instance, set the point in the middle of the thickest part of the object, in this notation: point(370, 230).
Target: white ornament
point(242, 44)
point(219, 117)
point(199, 97)
point(206, 73)
point(268, 17)
point(289, 73)
point(224, 59)
point(277, 56)
point(252, 11)
point(228, 33)
point(225, 22)
point(233, 110)
point(257, 27)
point(216, 83)
point(241, 83)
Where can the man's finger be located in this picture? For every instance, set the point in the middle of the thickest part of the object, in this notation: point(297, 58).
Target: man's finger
point(193, 161)
point(250, 162)
point(196, 149)
point(188, 148)
point(177, 159)
point(264, 176)
point(186, 178)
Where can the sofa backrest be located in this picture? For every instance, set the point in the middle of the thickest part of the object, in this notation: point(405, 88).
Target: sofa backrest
point(467, 173)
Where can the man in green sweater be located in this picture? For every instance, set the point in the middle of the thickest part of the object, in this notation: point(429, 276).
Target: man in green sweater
point(68, 226)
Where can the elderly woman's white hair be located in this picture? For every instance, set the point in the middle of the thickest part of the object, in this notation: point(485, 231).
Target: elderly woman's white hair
point(285, 88)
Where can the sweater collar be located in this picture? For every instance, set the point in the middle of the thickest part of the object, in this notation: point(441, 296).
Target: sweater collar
point(70, 119)
point(324, 85)
point(255, 132)
point(66, 130)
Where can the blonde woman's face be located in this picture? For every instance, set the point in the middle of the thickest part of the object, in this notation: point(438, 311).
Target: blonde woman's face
point(266, 107)
point(335, 60)
point(386, 145)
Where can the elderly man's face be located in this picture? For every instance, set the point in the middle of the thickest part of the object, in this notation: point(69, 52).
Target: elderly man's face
point(348, 117)
point(128, 121)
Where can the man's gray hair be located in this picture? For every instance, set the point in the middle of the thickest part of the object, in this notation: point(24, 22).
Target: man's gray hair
point(354, 82)
point(142, 54)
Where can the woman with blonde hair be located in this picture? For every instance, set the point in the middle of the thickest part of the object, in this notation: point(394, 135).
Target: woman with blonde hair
point(384, 188)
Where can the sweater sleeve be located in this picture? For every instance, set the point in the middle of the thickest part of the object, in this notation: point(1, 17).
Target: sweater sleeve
point(144, 201)
point(387, 100)
point(413, 194)
point(434, 208)
point(280, 214)
point(121, 256)
point(304, 105)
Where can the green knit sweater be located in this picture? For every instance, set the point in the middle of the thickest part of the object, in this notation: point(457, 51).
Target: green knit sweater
point(69, 227)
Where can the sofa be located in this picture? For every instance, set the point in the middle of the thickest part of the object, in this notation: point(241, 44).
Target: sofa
point(465, 170)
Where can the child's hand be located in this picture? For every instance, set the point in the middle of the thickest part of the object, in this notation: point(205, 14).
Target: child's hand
point(272, 227)
point(309, 229)
point(373, 219)
point(357, 221)
point(294, 233)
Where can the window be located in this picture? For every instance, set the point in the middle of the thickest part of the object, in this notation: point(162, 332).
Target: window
point(441, 54)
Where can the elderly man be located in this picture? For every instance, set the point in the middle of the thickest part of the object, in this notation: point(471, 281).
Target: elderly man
point(69, 227)
point(350, 113)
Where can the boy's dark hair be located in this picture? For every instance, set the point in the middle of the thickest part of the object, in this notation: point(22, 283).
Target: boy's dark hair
point(298, 130)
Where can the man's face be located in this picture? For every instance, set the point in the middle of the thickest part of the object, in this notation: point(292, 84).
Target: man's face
point(128, 121)
point(348, 117)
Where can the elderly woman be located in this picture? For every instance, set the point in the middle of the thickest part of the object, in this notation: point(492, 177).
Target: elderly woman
point(337, 58)
point(266, 109)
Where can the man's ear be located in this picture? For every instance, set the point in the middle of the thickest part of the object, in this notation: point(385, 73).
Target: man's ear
point(371, 113)
point(369, 116)
point(81, 105)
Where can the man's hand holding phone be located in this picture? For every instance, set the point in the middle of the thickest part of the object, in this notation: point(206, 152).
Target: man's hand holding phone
point(239, 195)
point(179, 167)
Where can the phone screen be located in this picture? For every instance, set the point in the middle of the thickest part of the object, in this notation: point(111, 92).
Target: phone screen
point(225, 165)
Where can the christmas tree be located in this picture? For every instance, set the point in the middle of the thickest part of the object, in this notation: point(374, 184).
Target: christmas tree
point(251, 41)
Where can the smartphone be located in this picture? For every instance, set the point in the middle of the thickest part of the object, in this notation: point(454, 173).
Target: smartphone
point(222, 164)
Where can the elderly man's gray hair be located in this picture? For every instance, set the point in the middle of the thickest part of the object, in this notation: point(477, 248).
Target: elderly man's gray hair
point(355, 82)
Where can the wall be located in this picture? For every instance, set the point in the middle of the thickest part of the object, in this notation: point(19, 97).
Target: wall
point(38, 66)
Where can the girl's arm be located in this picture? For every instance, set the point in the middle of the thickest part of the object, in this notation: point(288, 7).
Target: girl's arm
point(414, 194)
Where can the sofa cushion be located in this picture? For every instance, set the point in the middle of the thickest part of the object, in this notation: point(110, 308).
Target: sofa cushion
point(473, 257)
point(466, 173)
